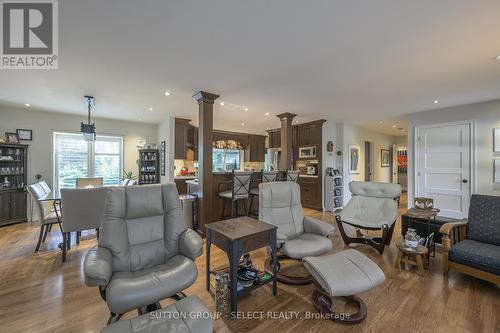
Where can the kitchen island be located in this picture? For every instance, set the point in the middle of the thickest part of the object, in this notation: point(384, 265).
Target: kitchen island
point(223, 178)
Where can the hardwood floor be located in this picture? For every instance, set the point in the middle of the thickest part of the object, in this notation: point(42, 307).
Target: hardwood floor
point(40, 294)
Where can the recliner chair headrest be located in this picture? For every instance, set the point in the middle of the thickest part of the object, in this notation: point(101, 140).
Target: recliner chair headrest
point(373, 189)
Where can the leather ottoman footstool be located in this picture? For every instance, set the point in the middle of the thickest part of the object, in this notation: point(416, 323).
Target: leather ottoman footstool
point(188, 315)
point(343, 274)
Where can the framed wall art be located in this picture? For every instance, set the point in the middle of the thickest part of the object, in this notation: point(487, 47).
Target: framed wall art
point(25, 134)
point(354, 152)
point(385, 158)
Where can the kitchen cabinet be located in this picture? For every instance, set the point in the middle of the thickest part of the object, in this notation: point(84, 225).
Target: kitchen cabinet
point(303, 136)
point(274, 138)
point(257, 147)
point(181, 138)
point(310, 195)
point(186, 137)
point(181, 185)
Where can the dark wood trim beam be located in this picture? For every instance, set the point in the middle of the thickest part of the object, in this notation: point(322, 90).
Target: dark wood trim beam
point(205, 138)
point(286, 140)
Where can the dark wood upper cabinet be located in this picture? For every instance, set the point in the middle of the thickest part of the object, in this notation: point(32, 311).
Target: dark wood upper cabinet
point(274, 138)
point(186, 139)
point(181, 138)
point(257, 147)
point(304, 136)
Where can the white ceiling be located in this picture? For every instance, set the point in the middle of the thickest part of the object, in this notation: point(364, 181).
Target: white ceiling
point(357, 61)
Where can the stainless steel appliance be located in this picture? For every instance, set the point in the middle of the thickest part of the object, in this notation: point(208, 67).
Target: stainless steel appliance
point(307, 152)
point(311, 170)
point(273, 157)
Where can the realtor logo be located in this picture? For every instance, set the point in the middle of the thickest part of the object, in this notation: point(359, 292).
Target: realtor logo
point(29, 34)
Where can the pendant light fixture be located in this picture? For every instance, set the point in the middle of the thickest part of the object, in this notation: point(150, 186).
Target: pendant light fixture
point(88, 130)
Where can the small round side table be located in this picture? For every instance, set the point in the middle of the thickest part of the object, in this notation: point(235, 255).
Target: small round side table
point(412, 256)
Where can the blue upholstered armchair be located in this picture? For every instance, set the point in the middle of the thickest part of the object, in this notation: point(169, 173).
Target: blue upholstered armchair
point(473, 247)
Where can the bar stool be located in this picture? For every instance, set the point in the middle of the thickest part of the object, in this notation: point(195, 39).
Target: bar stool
point(292, 176)
point(266, 177)
point(240, 189)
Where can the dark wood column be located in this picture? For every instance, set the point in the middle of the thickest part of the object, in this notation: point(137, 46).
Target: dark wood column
point(205, 138)
point(286, 140)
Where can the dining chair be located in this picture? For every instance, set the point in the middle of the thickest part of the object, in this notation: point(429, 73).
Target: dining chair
point(46, 212)
point(87, 182)
point(240, 190)
point(265, 177)
point(292, 176)
point(83, 209)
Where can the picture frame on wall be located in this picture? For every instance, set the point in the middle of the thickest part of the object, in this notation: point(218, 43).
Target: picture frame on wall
point(162, 158)
point(25, 134)
point(354, 159)
point(496, 140)
point(12, 137)
point(385, 158)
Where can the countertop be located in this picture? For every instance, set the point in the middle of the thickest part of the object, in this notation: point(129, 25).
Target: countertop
point(184, 177)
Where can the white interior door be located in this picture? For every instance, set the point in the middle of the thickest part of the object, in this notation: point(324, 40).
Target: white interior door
point(444, 167)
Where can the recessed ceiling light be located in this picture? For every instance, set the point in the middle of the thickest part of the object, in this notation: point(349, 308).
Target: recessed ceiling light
point(167, 93)
point(150, 109)
point(267, 113)
point(497, 57)
point(246, 109)
point(435, 101)
point(221, 103)
point(394, 126)
point(27, 104)
point(242, 124)
point(381, 122)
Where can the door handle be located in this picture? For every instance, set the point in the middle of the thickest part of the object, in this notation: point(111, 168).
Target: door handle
point(465, 181)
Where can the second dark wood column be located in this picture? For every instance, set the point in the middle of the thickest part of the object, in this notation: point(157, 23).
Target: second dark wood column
point(205, 138)
point(286, 140)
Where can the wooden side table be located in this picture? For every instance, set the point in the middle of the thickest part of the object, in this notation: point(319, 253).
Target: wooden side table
point(406, 253)
point(236, 237)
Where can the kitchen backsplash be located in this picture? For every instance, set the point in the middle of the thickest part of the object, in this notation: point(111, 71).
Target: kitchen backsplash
point(179, 164)
point(255, 166)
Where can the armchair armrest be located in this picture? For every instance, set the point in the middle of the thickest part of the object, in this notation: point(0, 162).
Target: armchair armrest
point(317, 227)
point(453, 232)
point(191, 244)
point(280, 239)
point(97, 267)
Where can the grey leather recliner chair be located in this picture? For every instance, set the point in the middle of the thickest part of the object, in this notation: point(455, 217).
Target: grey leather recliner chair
point(298, 236)
point(145, 252)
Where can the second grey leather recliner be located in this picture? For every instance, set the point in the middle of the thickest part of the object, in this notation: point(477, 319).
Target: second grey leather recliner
point(145, 252)
point(298, 236)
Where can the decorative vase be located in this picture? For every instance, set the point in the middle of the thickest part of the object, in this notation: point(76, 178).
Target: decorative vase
point(412, 240)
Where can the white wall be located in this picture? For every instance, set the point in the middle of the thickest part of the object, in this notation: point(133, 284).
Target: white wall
point(166, 132)
point(43, 124)
point(354, 135)
point(401, 140)
point(486, 117)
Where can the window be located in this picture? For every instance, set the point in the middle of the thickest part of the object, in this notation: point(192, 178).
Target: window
point(226, 159)
point(75, 158)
